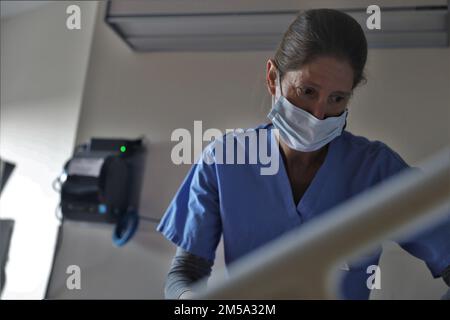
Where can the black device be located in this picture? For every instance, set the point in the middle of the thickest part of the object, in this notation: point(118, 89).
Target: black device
point(97, 185)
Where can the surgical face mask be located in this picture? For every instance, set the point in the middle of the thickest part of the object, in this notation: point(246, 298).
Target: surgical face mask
point(299, 129)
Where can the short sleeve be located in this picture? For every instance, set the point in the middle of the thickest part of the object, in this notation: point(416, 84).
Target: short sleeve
point(192, 220)
point(431, 245)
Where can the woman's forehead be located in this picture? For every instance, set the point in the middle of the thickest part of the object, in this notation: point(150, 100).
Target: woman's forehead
point(326, 73)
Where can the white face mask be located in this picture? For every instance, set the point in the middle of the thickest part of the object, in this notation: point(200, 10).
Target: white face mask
point(299, 129)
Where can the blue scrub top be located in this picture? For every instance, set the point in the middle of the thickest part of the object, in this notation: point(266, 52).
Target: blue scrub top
point(249, 209)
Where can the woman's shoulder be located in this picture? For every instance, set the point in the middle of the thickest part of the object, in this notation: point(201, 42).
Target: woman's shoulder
point(241, 133)
point(363, 143)
point(237, 138)
point(373, 151)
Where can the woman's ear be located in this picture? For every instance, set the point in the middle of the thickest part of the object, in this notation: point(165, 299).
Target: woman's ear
point(271, 76)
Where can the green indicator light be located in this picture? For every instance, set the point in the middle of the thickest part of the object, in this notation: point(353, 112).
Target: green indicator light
point(123, 148)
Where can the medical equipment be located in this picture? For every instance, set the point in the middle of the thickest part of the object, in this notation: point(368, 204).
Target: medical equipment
point(98, 185)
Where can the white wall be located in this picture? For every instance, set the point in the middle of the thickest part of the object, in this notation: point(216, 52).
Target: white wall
point(43, 66)
point(405, 104)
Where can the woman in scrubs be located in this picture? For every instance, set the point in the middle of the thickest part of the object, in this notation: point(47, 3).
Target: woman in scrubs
point(318, 64)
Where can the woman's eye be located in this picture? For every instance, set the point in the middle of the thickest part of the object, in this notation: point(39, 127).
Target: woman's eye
point(305, 91)
point(337, 99)
point(308, 91)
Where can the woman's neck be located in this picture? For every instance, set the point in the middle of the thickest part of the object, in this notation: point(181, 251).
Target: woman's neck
point(304, 159)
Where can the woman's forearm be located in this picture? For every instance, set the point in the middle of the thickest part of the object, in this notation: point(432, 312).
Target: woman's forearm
point(446, 276)
point(186, 269)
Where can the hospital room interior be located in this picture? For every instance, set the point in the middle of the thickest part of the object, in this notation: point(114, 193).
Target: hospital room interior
point(109, 110)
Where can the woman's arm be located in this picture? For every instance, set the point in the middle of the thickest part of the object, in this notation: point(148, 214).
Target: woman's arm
point(446, 278)
point(186, 269)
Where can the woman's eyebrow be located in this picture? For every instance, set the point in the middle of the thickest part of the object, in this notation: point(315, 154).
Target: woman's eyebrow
point(309, 83)
point(343, 93)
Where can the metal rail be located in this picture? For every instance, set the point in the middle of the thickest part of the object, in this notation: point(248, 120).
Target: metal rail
point(300, 264)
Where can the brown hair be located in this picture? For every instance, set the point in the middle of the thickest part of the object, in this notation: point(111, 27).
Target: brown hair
point(323, 32)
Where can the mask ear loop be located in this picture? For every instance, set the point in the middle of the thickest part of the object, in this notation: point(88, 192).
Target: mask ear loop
point(279, 83)
point(278, 91)
point(275, 98)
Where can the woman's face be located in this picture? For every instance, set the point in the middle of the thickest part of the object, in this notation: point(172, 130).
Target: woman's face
point(322, 87)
